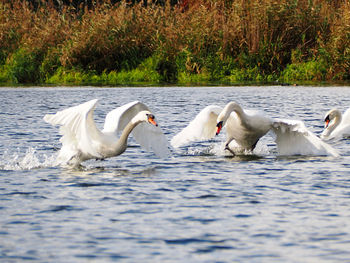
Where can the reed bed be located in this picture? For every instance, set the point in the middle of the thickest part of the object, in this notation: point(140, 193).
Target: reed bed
point(194, 41)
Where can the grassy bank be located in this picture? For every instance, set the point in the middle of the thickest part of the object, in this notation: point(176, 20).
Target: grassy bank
point(203, 41)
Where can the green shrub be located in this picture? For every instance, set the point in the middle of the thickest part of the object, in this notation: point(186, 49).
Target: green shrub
point(50, 64)
point(23, 66)
point(305, 71)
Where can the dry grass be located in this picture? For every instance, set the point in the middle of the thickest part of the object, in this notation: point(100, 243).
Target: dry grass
point(203, 36)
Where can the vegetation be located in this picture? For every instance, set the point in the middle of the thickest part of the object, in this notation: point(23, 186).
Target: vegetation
point(185, 42)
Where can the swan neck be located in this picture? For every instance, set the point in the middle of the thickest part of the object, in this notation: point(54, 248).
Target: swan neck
point(233, 106)
point(120, 145)
point(123, 139)
point(336, 121)
point(238, 109)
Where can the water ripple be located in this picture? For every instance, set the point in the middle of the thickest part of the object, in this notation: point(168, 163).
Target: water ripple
point(200, 205)
point(60, 208)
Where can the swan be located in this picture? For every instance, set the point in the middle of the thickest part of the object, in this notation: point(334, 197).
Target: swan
point(82, 140)
point(337, 125)
point(244, 128)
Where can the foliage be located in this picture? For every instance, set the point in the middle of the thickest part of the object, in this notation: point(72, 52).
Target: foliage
point(311, 70)
point(195, 41)
point(22, 66)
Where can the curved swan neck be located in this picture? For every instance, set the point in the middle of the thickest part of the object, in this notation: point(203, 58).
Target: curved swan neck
point(122, 142)
point(123, 139)
point(336, 120)
point(233, 106)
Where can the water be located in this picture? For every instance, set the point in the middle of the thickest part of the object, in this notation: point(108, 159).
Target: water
point(197, 206)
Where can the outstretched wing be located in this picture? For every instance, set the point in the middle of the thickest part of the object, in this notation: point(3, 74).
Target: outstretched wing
point(117, 119)
point(151, 138)
point(78, 129)
point(293, 138)
point(203, 127)
point(148, 136)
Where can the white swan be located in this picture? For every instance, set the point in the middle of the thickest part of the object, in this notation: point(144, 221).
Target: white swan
point(244, 128)
point(82, 140)
point(337, 125)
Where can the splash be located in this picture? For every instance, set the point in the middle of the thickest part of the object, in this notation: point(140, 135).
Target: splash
point(30, 160)
point(218, 149)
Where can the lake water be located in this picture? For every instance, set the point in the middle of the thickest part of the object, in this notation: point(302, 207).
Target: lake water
point(197, 206)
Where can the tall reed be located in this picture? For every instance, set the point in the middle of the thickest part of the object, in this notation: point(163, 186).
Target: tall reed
point(220, 40)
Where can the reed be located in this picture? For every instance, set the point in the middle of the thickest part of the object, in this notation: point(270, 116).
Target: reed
point(202, 41)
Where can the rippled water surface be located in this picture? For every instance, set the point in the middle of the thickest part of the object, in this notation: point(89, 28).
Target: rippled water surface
point(197, 206)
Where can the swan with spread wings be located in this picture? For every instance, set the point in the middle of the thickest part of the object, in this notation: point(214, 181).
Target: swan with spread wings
point(82, 140)
point(244, 128)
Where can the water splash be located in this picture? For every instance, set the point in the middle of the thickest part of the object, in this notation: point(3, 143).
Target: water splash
point(218, 149)
point(30, 160)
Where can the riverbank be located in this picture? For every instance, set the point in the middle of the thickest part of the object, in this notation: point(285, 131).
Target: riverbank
point(203, 42)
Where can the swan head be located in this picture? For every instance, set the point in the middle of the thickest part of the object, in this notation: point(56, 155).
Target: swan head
point(331, 115)
point(145, 116)
point(219, 126)
point(221, 121)
point(326, 121)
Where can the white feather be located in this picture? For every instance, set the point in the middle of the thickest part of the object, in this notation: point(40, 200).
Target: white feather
point(78, 130)
point(203, 127)
point(117, 119)
point(293, 138)
point(245, 129)
point(151, 138)
point(148, 136)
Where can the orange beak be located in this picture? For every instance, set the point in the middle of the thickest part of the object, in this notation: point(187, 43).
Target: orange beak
point(218, 127)
point(151, 120)
point(326, 123)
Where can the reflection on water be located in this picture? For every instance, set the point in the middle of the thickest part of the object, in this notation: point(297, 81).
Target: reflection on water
point(200, 205)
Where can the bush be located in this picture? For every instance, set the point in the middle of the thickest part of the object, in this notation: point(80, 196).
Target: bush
point(198, 41)
point(305, 71)
point(23, 66)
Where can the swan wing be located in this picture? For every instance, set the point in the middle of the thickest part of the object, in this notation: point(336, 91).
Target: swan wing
point(203, 127)
point(78, 129)
point(148, 136)
point(293, 138)
point(117, 119)
point(151, 138)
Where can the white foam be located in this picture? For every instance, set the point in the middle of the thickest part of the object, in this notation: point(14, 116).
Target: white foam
point(30, 160)
point(218, 149)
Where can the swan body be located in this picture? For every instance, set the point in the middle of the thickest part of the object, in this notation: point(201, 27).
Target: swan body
point(82, 140)
point(337, 125)
point(244, 128)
